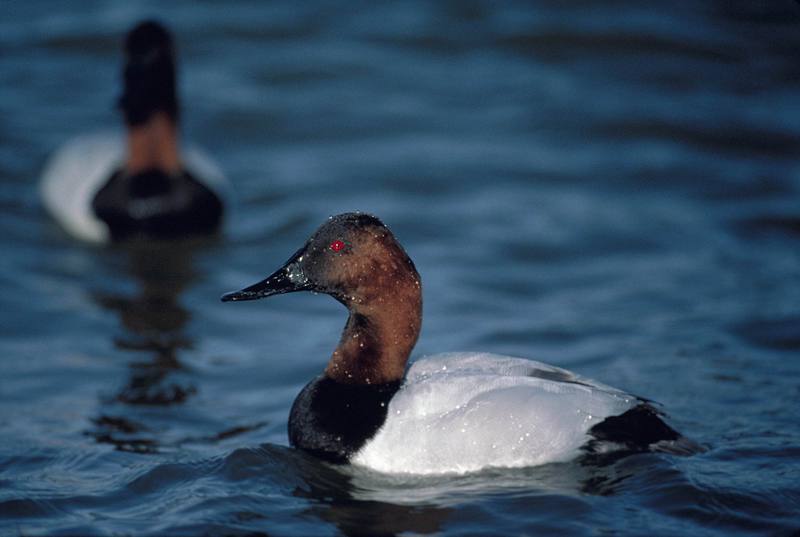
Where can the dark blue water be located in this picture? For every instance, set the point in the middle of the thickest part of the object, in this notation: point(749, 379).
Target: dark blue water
point(611, 187)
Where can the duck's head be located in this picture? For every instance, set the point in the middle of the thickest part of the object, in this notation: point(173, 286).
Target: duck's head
point(149, 74)
point(356, 259)
point(353, 257)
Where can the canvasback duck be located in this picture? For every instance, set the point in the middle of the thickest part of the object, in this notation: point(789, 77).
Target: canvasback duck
point(112, 187)
point(456, 412)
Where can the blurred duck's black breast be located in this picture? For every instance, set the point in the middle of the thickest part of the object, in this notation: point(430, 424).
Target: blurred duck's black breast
point(153, 204)
point(334, 420)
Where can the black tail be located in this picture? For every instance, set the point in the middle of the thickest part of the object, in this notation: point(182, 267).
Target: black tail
point(640, 429)
point(637, 428)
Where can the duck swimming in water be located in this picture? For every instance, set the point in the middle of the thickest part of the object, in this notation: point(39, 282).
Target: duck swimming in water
point(455, 412)
point(140, 185)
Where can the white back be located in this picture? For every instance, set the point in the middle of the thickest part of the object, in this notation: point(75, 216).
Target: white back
point(461, 412)
point(72, 177)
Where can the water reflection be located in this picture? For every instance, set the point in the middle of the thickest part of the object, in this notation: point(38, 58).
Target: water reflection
point(360, 502)
point(154, 323)
point(335, 496)
point(356, 517)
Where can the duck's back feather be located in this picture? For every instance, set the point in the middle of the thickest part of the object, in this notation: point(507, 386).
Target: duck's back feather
point(461, 412)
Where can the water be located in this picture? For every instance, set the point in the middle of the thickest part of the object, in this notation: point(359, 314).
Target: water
point(609, 187)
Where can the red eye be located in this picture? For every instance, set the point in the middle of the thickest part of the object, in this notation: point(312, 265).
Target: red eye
point(337, 246)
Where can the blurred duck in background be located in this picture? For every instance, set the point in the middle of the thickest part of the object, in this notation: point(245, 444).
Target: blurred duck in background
point(140, 185)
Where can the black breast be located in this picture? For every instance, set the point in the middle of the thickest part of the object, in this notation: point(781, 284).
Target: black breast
point(153, 204)
point(334, 420)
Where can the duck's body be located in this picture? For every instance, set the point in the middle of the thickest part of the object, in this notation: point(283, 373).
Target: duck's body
point(451, 413)
point(467, 411)
point(75, 175)
point(116, 187)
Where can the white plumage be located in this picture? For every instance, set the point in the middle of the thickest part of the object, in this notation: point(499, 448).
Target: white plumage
point(461, 412)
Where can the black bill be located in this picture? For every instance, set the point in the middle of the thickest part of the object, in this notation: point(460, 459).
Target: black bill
point(287, 279)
